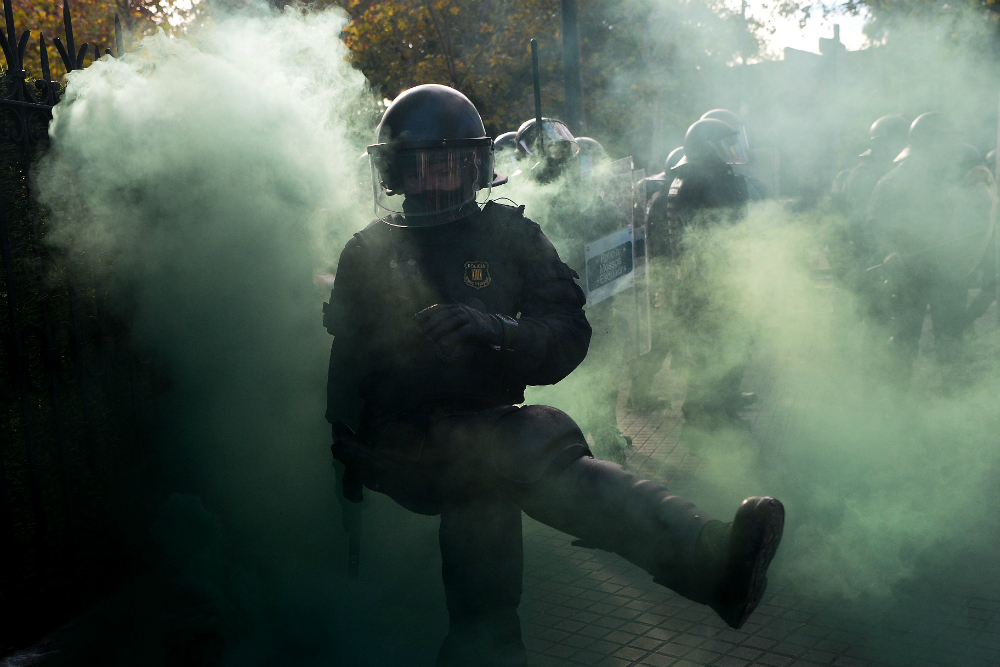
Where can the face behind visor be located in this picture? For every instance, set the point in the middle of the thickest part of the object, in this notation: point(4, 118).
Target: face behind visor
point(432, 161)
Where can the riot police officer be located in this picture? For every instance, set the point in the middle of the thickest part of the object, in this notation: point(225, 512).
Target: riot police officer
point(505, 149)
point(931, 222)
point(707, 192)
point(442, 312)
point(852, 252)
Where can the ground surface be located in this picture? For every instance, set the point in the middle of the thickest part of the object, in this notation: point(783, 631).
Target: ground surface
point(584, 607)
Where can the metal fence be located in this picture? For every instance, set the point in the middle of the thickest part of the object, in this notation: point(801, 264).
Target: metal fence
point(73, 467)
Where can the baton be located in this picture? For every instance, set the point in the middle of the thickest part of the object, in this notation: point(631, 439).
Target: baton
point(536, 84)
point(349, 495)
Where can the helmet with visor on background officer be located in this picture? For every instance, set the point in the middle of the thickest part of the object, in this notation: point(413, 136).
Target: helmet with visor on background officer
point(549, 152)
point(707, 192)
point(592, 154)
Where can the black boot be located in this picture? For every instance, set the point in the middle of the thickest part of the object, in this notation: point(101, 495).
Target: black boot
point(729, 568)
point(606, 507)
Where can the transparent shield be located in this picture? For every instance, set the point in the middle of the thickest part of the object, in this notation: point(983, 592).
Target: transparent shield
point(616, 270)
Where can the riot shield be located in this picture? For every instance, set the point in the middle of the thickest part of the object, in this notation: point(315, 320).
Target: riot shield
point(616, 262)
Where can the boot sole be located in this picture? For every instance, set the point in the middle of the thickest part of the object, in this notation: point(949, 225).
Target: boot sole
point(769, 515)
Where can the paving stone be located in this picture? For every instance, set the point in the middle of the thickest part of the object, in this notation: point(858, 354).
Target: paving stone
point(620, 637)
point(658, 660)
point(731, 661)
point(746, 652)
point(647, 643)
point(675, 649)
point(631, 653)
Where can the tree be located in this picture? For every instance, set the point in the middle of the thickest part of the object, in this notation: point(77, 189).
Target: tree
point(640, 57)
point(93, 24)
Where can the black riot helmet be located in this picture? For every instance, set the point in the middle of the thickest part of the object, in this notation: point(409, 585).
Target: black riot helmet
point(969, 157)
point(672, 159)
point(592, 153)
point(548, 151)
point(887, 137)
point(712, 141)
point(931, 136)
point(557, 141)
point(505, 142)
point(733, 121)
point(431, 157)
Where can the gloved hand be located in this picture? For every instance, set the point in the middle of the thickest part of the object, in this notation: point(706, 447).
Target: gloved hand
point(453, 323)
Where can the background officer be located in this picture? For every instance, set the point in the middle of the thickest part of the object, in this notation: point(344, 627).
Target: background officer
point(442, 313)
point(931, 223)
point(707, 192)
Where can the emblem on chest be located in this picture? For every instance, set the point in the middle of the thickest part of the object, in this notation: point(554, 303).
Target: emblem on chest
point(477, 274)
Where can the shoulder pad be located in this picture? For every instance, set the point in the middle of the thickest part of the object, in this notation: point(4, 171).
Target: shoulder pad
point(493, 207)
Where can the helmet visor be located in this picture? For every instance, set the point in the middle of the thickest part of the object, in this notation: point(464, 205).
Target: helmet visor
point(557, 141)
point(429, 186)
point(730, 150)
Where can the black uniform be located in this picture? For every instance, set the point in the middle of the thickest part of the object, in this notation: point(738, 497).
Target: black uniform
point(705, 194)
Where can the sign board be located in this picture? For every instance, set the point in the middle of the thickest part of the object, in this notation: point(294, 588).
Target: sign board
point(610, 265)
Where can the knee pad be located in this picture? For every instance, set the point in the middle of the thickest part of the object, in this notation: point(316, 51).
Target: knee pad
point(529, 442)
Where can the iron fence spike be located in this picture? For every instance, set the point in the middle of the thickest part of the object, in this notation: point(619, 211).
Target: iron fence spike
point(22, 44)
point(68, 23)
point(63, 54)
point(43, 52)
point(81, 55)
point(97, 53)
point(5, 45)
point(107, 52)
point(119, 38)
point(8, 15)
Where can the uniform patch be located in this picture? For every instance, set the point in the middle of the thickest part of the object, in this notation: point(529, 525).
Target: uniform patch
point(477, 274)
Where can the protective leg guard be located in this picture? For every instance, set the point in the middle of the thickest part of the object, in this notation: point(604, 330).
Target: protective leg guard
point(615, 510)
point(721, 565)
point(481, 565)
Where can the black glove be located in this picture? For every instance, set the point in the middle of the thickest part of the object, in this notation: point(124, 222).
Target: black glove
point(454, 323)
